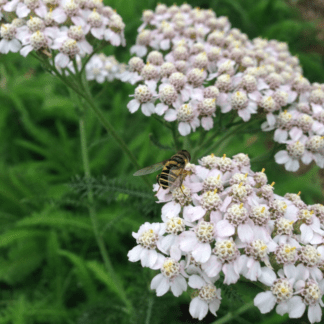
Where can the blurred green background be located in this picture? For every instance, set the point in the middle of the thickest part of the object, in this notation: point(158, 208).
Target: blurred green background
point(50, 266)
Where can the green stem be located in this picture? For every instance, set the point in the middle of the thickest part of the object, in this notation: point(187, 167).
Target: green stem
point(84, 92)
point(94, 220)
point(175, 137)
point(231, 315)
point(110, 129)
point(149, 310)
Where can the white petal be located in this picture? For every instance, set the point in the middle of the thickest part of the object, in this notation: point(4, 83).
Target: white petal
point(280, 135)
point(198, 308)
point(307, 157)
point(207, 123)
point(212, 267)
point(306, 233)
point(156, 281)
point(314, 313)
point(224, 228)
point(292, 165)
point(4, 46)
point(161, 108)
point(14, 45)
point(282, 157)
point(188, 241)
point(184, 128)
point(231, 275)
point(295, 133)
point(135, 253)
point(178, 286)
point(268, 276)
point(170, 209)
point(148, 108)
point(148, 258)
point(162, 285)
point(170, 115)
point(214, 306)
point(282, 308)
point(196, 282)
point(265, 301)
point(202, 252)
point(191, 213)
point(296, 307)
point(133, 105)
point(245, 232)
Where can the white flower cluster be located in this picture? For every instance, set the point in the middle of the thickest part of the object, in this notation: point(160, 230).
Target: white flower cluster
point(226, 221)
point(103, 68)
point(60, 28)
point(198, 64)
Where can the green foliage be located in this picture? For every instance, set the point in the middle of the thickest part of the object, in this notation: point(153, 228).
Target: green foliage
point(51, 269)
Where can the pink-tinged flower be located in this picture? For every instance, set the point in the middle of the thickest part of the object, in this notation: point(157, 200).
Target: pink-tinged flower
point(311, 259)
point(143, 99)
point(143, 40)
point(237, 217)
point(33, 25)
point(148, 238)
point(36, 41)
point(284, 124)
point(311, 293)
point(295, 152)
point(318, 126)
point(240, 193)
point(95, 70)
point(281, 293)
point(197, 241)
point(187, 115)
point(210, 202)
point(255, 252)
point(68, 50)
point(9, 43)
point(168, 97)
point(239, 101)
point(311, 228)
point(78, 34)
point(314, 147)
point(172, 277)
point(170, 243)
point(284, 230)
point(209, 298)
point(96, 23)
point(226, 257)
point(133, 74)
point(115, 33)
point(23, 8)
point(147, 18)
point(69, 9)
point(207, 109)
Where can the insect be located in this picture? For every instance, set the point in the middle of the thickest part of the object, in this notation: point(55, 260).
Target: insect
point(173, 171)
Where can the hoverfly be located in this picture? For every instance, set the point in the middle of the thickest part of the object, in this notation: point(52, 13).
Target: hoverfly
point(172, 170)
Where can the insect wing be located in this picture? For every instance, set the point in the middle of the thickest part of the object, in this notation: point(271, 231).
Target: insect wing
point(175, 177)
point(150, 169)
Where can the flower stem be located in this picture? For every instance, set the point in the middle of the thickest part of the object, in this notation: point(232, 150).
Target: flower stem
point(231, 315)
point(81, 88)
point(175, 137)
point(94, 220)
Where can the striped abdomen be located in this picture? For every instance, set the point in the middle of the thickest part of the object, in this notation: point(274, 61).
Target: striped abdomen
point(173, 168)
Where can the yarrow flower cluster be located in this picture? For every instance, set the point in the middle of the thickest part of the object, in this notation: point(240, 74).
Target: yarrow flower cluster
point(58, 28)
point(225, 221)
point(196, 66)
point(103, 68)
